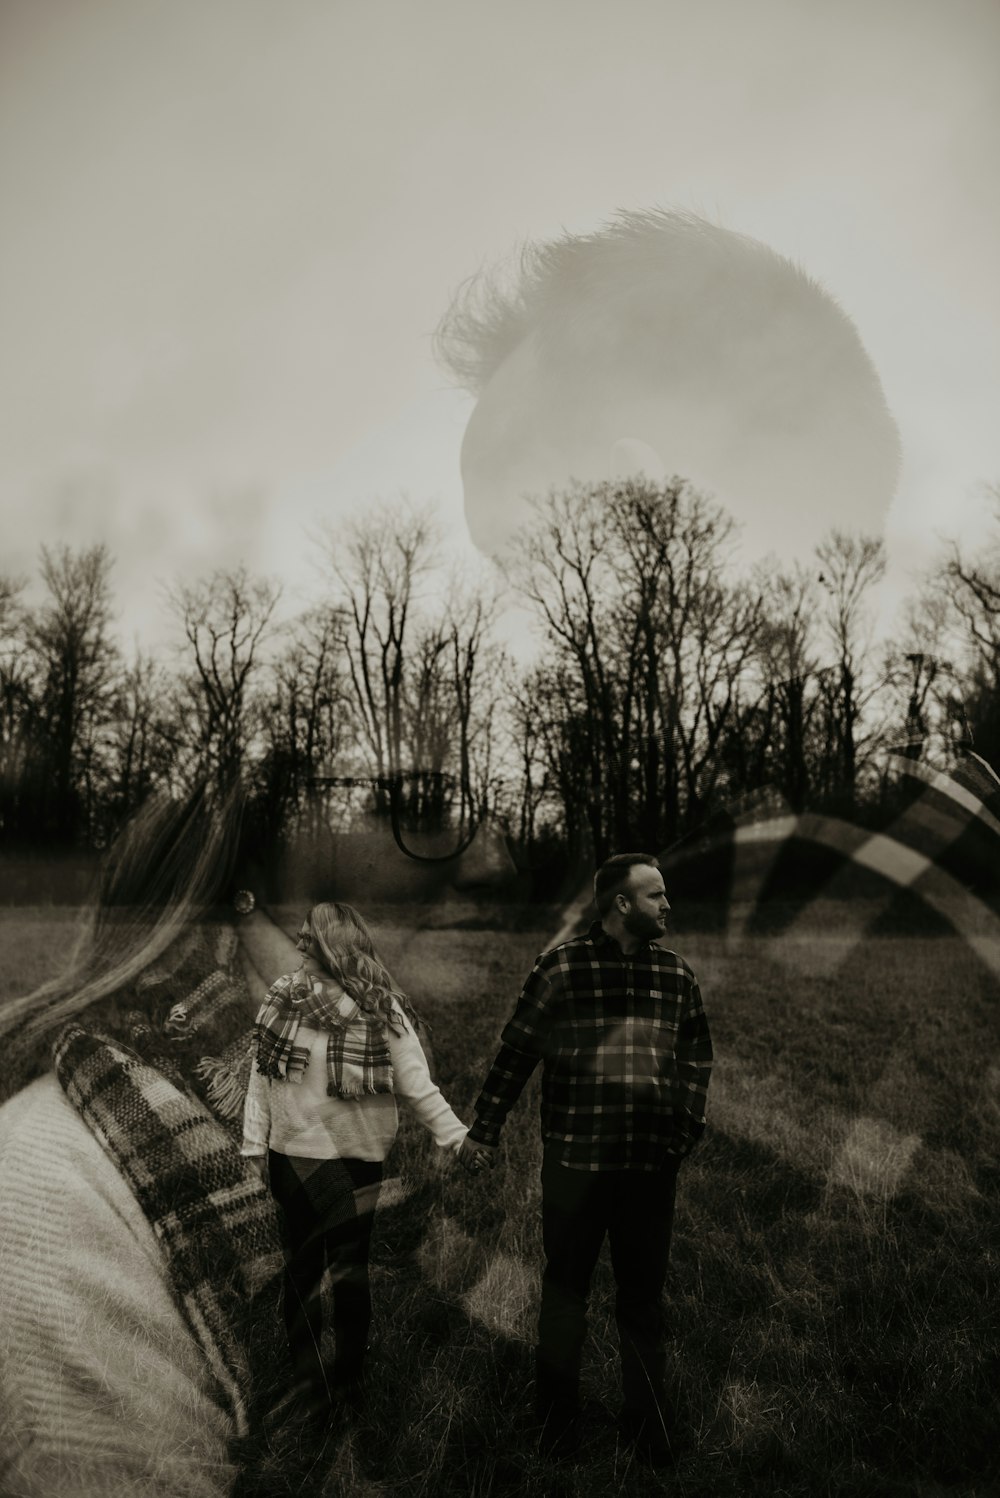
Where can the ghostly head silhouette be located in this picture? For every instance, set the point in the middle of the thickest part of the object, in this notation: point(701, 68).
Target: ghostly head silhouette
point(667, 345)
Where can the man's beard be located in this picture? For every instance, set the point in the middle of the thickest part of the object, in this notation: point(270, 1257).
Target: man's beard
point(638, 924)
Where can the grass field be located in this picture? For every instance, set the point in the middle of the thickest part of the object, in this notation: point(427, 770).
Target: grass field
point(833, 1289)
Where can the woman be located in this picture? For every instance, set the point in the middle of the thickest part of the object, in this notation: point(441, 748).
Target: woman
point(142, 1350)
point(335, 1046)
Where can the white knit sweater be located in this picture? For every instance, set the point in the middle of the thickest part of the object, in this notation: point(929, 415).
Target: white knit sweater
point(298, 1118)
point(103, 1390)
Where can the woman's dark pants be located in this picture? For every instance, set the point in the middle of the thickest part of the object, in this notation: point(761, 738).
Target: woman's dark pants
point(328, 1208)
point(635, 1210)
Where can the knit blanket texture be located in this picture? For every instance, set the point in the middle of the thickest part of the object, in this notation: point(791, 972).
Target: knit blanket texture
point(138, 1076)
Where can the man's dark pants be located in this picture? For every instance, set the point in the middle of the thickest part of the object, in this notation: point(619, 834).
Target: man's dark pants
point(635, 1210)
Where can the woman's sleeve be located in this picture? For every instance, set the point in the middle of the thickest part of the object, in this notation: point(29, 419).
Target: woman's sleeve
point(256, 1113)
point(413, 1085)
point(103, 1389)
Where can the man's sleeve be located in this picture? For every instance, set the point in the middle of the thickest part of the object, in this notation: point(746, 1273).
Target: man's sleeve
point(694, 1068)
point(522, 1045)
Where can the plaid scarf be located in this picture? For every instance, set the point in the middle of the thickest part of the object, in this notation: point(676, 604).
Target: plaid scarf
point(357, 1051)
point(141, 1086)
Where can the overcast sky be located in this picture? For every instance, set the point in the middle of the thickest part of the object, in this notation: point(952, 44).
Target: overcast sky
point(230, 228)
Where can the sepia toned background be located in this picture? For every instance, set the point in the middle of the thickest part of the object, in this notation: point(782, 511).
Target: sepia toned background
point(230, 232)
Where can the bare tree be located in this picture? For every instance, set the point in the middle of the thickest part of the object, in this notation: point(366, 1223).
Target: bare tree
point(709, 629)
point(77, 664)
point(11, 606)
point(379, 563)
point(225, 619)
point(141, 741)
point(969, 595)
point(791, 673)
point(527, 695)
point(652, 639)
point(924, 690)
point(561, 566)
point(476, 664)
point(555, 730)
point(303, 724)
point(18, 711)
point(851, 566)
point(418, 647)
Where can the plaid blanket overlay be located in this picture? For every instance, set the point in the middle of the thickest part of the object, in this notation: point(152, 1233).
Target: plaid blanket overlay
point(213, 1218)
point(358, 1060)
point(143, 1084)
point(942, 849)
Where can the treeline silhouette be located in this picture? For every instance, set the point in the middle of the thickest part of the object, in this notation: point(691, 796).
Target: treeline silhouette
point(669, 686)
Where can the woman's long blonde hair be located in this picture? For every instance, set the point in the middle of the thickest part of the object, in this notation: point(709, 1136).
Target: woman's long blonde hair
point(344, 945)
point(167, 870)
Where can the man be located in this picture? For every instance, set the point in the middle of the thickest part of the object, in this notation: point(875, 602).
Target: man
point(618, 1023)
point(661, 344)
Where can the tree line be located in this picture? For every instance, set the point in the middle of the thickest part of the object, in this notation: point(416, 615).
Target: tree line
point(668, 686)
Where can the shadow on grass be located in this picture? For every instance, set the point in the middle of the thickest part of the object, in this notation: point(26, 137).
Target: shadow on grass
point(822, 1343)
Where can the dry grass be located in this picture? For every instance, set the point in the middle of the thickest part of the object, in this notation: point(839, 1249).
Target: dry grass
point(833, 1288)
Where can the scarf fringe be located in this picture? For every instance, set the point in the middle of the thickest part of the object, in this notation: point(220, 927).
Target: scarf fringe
point(226, 1087)
point(356, 1090)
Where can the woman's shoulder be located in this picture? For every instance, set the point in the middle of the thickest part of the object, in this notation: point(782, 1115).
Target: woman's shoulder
point(282, 986)
point(54, 1170)
point(301, 978)
point(99, 1374)
point(40, 1109)
point(401, 1032)
point(46, 1146)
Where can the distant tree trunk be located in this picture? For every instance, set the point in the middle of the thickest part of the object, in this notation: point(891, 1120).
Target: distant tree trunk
point(851, 566)
point(77, 666)
point(971, 595)
point(19, 716)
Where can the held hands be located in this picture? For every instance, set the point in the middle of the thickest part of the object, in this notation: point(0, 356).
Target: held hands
point(476, 1157)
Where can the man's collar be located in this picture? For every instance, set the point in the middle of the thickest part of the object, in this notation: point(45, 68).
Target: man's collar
point(602, 938)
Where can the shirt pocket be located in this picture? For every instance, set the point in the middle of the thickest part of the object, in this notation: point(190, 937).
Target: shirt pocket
point(664, 1010)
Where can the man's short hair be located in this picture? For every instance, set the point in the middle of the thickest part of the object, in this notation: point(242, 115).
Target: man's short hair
point(613, 876)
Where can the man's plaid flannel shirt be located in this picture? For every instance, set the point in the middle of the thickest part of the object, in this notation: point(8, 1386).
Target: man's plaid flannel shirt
point(626, 1052)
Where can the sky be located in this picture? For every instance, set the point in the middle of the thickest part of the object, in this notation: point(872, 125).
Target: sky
point(231, 229)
